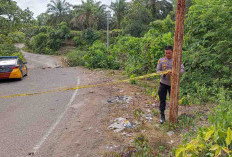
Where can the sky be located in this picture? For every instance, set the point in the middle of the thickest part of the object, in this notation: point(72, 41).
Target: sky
point(40, 6)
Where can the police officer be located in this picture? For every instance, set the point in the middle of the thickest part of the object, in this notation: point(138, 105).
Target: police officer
point(165, 64)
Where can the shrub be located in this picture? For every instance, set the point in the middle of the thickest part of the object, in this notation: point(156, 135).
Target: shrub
point(75, 33)
point(140, 55)
point(98, 57)
point(86, 37)
point(5, 39)
point(63, 31)
point(10, 50)
point(17, 37)
point(49, 40)
point(90, 35)
point(115, 32)
point(79, 41)
point(39, 42)
point(207, 50)
point(7, 50)
point(216, 139)
point(76, 58)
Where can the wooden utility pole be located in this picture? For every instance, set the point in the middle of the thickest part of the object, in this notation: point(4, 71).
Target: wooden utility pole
point(176, 65)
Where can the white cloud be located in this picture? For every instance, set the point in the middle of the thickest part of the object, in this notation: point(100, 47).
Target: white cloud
point(40, 6)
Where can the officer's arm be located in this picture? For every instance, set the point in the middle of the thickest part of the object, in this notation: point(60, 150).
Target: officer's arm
point(159, 66)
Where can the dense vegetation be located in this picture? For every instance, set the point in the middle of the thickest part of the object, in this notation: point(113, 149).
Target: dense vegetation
point(13, 22)
point(139, 31)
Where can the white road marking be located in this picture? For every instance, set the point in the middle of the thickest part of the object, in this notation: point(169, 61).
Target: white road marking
point(37, 147)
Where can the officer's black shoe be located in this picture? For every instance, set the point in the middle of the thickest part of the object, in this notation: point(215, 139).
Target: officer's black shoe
point(162, 119)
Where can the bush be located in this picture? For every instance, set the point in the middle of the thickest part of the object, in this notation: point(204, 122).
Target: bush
point(8, 50)
point(5, 39)
point(17, 37)
point(63, 31)
point(75, 33)
point(90, 35)
point(79, 41)
point(98, 57)
point(141, 55)
point(216, 139)
point(207, 50)
point(39, 43)
point(76, 58)
point(86, 37)
point(49, 40)
point(115, 32)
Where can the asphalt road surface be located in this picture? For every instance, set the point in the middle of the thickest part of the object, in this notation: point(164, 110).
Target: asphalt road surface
point(27, 122)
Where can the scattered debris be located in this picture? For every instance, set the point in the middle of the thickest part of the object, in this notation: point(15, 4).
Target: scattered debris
point(120, 124)
point(121, 91)
point(89, 128)
point(98, 132)
point(31, 154)
point(153, 105)
point(171, 142)
point(148, 117)
point(78, 143)
point(114, 148)
point(126, 134)
point(170, 133)
point(120, 99)
point(157, 125)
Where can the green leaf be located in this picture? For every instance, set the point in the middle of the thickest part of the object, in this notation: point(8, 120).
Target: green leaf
point(226, 150)
point(218, 152)
point(179, 151)
point(209, 134)
point(228, 137)
point(214, 147)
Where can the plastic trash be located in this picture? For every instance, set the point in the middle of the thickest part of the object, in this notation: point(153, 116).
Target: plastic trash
point(120, 124)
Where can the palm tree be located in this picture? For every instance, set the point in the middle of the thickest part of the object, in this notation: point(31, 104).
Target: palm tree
point(88, 14)
point(160, 8)
point(119, 8)
point(59, 9)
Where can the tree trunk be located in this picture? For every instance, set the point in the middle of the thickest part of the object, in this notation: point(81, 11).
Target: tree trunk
point(176, 66)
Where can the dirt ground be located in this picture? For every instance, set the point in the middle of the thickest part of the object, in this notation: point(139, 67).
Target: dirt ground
point(87, 134)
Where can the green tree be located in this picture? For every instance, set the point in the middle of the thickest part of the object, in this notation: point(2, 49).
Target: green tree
point(159, 8)
point(4, 5)
point(208, 46)
point(59, 10)
point(43, 19)
point(119, 7)
point(88, 14)
point(137, 20)
point(14, 18)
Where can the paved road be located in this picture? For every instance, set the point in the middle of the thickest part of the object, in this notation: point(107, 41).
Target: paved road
point(26, 122)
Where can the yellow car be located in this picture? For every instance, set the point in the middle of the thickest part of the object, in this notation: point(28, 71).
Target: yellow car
point(12, 67)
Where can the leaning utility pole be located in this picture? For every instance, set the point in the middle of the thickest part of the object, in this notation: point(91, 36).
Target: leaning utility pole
point(176, 65)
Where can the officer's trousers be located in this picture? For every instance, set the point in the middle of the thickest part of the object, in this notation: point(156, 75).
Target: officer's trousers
point(163, 89)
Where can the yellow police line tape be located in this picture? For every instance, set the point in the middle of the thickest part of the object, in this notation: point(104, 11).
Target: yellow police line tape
point(84, 86)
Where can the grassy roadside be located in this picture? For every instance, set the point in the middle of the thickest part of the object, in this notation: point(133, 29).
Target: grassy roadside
point(147, 137)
